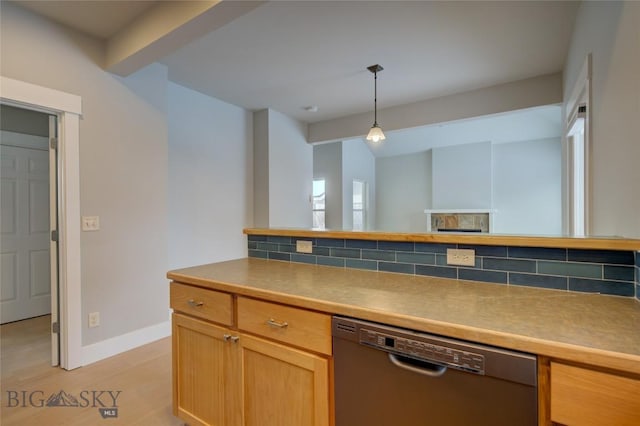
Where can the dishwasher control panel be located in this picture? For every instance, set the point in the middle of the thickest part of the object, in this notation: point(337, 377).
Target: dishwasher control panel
point(423, 349)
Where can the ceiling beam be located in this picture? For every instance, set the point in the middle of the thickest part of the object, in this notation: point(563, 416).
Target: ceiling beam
point(165, 27)
point(531, 92)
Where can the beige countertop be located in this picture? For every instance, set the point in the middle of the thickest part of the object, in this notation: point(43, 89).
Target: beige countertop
point(588, 328)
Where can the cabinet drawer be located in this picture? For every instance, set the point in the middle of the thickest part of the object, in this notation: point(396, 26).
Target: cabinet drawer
point(580, 396)
point(299, 327)
point(199, 302)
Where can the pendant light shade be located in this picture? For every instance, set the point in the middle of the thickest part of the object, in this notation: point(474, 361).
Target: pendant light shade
point(375, 134)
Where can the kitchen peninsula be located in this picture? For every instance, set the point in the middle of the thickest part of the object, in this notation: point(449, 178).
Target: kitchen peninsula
point(242, 325)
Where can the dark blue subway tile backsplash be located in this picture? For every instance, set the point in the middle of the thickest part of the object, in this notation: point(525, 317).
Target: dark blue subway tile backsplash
point(396, 245)
point(362, 244)
point(401, 268)
point(437, 271)
point(572, 269)
point(481, 275)
point(362, 264)
point(543, 281)
point(619, 273)
point(601, 286)
point(602, 256)
point(538, 253)
point(330, 261)
point(433, 247)
point(593, 271)
point(280, 256)
point(637, 275)
point(278, 239)
point(329, 242)
point(389, 256)
point(416, 258)
point(509, 265)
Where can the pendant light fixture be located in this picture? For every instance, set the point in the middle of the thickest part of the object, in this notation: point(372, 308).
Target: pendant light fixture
point(375, 134)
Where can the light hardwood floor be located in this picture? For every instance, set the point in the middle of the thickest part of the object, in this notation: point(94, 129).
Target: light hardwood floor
point(142, 375)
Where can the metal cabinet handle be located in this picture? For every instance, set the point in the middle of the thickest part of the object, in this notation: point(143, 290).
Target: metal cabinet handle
point(235, 339)
point(274, 323)
point(228, 337)
point(194, 304)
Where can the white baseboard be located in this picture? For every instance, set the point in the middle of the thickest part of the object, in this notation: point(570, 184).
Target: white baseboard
point(125, 342)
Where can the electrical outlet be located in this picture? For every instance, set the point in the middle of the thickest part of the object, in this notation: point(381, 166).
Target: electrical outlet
point(304, 246)
point(94, 319)
point(461, 257)
point(90, 223)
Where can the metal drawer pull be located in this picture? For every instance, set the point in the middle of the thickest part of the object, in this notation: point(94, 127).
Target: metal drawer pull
point(274, 323)
point(228, 337)
point(194, 304)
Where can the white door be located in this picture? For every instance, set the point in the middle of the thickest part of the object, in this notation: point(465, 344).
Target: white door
point(25, 289)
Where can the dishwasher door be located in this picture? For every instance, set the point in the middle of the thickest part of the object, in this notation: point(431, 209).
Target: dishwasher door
point(385, 376)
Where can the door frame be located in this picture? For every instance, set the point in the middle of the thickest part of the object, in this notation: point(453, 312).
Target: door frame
point(580, 95)
point(68, 108)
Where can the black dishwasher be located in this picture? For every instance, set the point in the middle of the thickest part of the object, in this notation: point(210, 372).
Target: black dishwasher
point(388, 376)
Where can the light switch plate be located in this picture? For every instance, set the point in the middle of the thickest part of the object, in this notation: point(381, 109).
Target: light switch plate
point(90, 223)
point(461, 257)
point(304, 246)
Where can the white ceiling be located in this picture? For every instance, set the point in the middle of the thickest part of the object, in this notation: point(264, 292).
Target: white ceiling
point(101, 19)
point(287, 55)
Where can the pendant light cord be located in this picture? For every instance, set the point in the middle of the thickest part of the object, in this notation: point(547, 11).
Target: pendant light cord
point(375, 99)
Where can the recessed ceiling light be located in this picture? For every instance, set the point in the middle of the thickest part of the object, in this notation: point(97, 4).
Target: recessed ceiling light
point(311, 108)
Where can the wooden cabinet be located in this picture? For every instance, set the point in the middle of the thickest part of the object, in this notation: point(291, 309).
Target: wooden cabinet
point(294, 326)
point(203, 363)
point(271, 368)
point(202, 303)
point(582, 396)
point(283, 386)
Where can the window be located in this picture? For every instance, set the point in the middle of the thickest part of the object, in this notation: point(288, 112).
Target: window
point(319, 206)
point(359, 204)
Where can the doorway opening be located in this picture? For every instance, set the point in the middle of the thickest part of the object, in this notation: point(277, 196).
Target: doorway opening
point(29, 255)
point(68, 108)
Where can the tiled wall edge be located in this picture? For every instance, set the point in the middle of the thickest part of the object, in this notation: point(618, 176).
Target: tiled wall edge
point(638, 275)
point(593, 271)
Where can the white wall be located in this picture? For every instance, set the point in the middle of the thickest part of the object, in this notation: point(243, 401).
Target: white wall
point(401, 202)
point(210, 178)
point(610, 31)
point(327, 165)
point(261, 168)
point(290, 173)
point(357, 163)
point(527, 187)
point(123, 168)
point(462, 176)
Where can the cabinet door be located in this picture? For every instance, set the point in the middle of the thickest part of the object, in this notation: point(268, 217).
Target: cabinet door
point(584, 397)
point(283, 386)
point(202, 360)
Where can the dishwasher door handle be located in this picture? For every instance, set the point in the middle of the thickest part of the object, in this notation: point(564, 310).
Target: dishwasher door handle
point(436, 371)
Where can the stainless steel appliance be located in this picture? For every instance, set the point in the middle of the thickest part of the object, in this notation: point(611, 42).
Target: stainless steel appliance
point(388, 376)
